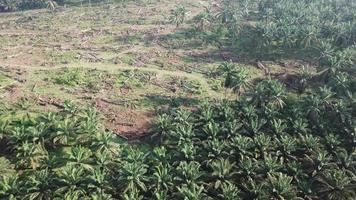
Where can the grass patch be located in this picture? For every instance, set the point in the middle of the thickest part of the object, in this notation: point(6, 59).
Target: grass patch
point(4, 81)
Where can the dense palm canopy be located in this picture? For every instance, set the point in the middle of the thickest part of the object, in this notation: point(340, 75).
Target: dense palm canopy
point(265, 146)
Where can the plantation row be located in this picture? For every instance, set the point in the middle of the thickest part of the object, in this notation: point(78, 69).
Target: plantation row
point(324, 31)
point(267, 145)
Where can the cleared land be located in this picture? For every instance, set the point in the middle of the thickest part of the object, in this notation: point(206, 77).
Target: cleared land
point(127, 61)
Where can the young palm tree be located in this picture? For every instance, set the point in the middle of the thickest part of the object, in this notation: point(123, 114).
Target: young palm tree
point(66, 131)
point(226, 13)
point(105, 141)
point(132, 194)
point(70, 107)
point(81, 156)
point(223, 171)
point(241, 80)
point(6, 167)
point(254, 190)
point(269, 92)
point(306, 189)
point(178, 15)
point(50, 119)
point(207, 113)
point(212, 130)
point(99, 182)
point(183, 116)
point(51, 4)
point(132, 177)
point(228, 71)
point(184, 133)
point(248, 167)
point(191, 192)
point(229, 191)
point(18, 136)
point(287, 145)
point(104, 159)
point(254, 125)
point(161, 195)
point(189, 173)
point(30, 155)
point(263, 142)
point(272, 163)
point(101, 196)
point(305, 76)
point(164, 126)
point(280, 186)
point(9, 187)
point(40, 185)
point(337, 185)
point(72, 181)
point(161, 155)
point(215, 149)
point(204, 19)
point(163, 177)
point(340, 83)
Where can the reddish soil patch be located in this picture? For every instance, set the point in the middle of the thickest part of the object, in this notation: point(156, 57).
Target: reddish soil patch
point(126, 122)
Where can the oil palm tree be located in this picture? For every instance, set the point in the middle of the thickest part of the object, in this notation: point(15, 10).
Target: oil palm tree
point(248, 167)
point(189, 172)
point(204, 19)
point(163, 177)
point(99, 182)
point(72, 181)
point(229, 191)
point(215, 149)
point(9, 187)
point(40, 185)
point(132, 194)
point(241, 80)
point(132, 177)
point(163, 127)
point(104, 159)
point(336, 185)
point(178, 15)
point(66, 131)
point(81, 156)
point(228, 71)
point(223, 171)
point(161, 195)
point(207, 113)
point(30, 154)
point(105, 141)
point(226, 12)
point(101, 196)
point(254, 189)
point(280, 186)
point(269, 92)
point(18, 135)
point(191, 192)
